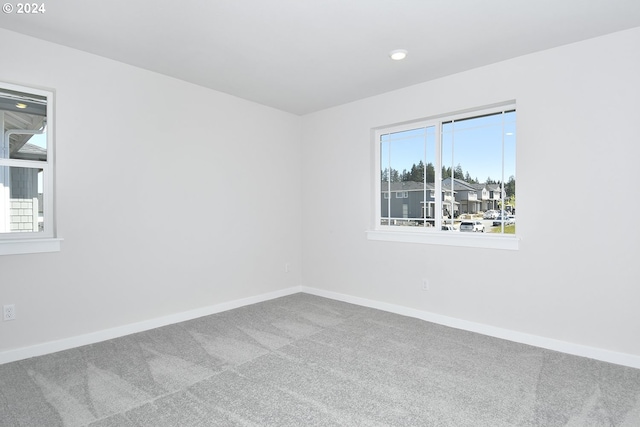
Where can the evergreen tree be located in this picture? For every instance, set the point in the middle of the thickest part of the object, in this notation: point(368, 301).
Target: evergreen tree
point(510, 187)
point(431, 172)
point(458, 173)
point(417, 172)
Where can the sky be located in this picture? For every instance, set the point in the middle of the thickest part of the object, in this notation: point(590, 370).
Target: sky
point(39, 140)
point(476, 144)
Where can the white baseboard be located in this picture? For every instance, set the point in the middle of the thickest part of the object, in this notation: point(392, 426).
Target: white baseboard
point(624, 359)
point(523, 338)
point(107, 334)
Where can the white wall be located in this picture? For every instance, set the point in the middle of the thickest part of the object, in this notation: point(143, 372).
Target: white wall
point(140, 156)
point(576, 277)
point(171, 197)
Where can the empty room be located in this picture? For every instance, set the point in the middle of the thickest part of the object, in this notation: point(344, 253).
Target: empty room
point(319, 213)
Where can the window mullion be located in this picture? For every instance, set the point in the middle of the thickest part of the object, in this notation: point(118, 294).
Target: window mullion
point(425, 201)
point(502, 194)
point(389, 182)
point(438, 177)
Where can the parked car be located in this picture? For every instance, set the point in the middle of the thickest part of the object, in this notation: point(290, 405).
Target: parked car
point(473, 226)
point(448, 228)
point(490, 214)
point(507, 219)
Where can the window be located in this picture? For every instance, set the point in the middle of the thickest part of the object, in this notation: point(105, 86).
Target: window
point(456, 167)
point(26, 171)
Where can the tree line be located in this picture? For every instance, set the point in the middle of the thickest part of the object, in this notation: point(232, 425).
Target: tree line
point(418, 171)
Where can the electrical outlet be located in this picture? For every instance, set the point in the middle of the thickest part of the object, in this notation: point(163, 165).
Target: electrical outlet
point(425, 285)
point(9, 312)
point(287, 267)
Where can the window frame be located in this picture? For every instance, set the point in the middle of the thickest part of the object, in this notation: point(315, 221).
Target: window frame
point(12, 243)
point(433, 235)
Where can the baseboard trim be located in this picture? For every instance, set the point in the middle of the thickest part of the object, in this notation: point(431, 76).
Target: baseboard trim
point(617, 358)
point(107, 334)
point(624, 359)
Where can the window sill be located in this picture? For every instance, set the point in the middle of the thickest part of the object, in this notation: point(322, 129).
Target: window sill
point(29, 246)
point(447, 238)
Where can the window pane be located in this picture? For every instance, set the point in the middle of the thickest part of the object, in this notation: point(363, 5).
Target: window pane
point(407, 176)
point(450, 206)
point(384, 179)
point(510, 171)
point(21, 203)
point(25, 117)
point(478, 157)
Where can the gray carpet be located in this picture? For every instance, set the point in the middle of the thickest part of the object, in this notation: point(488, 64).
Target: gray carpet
point(303, 360)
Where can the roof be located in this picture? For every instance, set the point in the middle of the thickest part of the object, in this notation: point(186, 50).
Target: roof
point(458, 184)
point(405, 186)
point(31, 152)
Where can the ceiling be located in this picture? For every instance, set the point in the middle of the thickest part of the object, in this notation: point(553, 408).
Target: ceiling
point(303, 56)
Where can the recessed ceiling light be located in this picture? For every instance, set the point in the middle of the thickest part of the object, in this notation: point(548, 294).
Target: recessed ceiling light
point(21, 105)
point(398, 54)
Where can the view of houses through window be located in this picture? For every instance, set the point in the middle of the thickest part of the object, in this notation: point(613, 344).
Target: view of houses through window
point(24, 165)
point(454, 174)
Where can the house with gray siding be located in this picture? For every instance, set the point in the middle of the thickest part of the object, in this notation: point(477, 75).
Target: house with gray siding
point(465, 194)
point(414, 200)
point(489, 196)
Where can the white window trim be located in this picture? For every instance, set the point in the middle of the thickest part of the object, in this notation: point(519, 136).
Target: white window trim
point(47, 240)
point(446, 238)
point(29, 246)
point(432, 235)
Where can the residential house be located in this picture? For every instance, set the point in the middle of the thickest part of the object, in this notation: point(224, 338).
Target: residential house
point(409, 199)
point(466, 195)
point(414, 200)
